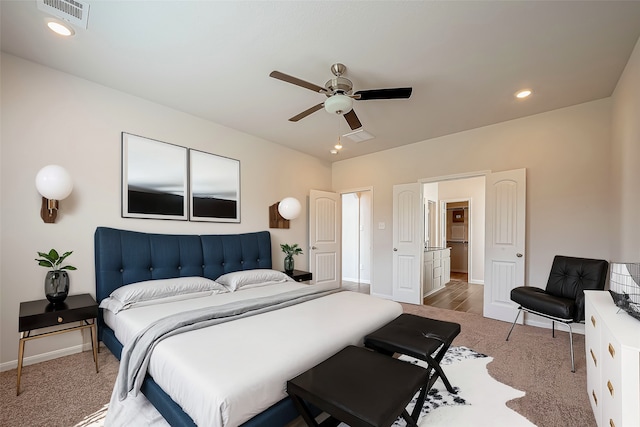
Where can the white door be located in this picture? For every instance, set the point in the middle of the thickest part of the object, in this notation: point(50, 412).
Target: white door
point(324, 237)
point(408, 244)
point(504, 242)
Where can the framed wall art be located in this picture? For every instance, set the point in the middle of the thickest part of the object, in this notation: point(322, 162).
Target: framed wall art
point(458, 215)
point(154, 179)
point(214, 190)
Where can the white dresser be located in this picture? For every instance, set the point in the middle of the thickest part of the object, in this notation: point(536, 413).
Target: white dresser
point(612, 344)
point(436, 269)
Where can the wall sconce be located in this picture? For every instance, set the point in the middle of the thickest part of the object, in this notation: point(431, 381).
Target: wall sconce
point(53, 183)
point(281, 213)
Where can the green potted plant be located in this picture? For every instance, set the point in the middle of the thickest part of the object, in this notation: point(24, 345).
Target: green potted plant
point(290, 251)
point(56, 284)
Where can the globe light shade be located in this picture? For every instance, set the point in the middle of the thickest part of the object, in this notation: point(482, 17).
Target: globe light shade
point(338, 104)
point(289, 208)
point(54, 182)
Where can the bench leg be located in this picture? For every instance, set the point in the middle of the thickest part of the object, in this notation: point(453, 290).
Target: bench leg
point(410, 421)
point(415, 414)
point(435, 365)
point(303, 410)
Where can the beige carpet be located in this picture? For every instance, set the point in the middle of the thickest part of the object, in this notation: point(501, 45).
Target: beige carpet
point(66, 392)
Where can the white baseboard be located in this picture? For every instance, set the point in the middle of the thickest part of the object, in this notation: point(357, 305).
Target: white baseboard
point(350, 279)
point(43, 357)
point(385, 296)
point(477, 282)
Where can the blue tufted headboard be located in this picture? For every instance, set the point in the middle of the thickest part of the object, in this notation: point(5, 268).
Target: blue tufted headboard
point(124, 257)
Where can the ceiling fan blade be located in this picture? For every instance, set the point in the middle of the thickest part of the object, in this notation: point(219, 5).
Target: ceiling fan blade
point(296, 81)
point(352, 119)
point(306, 112)
point(396, 93)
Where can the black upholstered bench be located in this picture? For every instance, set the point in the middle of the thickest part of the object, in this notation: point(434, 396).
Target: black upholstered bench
point(418, 337)
point(359, 387)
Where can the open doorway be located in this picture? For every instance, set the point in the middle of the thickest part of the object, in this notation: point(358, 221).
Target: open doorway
point(356, 240)
point(457, 237)
point(460, 212)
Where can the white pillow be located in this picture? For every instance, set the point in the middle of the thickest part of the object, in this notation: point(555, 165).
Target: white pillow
point(115, 306)
point(245, 278)
point(156, 289)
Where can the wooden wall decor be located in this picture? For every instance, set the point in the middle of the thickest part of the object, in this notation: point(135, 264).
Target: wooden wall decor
point(275, 219)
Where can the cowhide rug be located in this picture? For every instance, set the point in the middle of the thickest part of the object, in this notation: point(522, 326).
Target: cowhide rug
point(478, 400)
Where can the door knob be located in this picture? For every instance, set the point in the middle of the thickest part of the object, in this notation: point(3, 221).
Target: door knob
point(313, 247)
point(395, 249)
point(519, 255)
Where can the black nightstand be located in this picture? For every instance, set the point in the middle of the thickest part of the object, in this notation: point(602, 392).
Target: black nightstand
point(41, 314)
point(299, 275)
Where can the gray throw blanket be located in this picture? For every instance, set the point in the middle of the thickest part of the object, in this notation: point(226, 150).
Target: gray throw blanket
point(136, 354)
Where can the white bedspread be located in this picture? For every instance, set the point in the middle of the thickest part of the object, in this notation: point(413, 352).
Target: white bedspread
point(225, 374)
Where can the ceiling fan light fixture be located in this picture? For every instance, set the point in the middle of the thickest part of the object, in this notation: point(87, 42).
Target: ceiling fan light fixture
point(338, 104)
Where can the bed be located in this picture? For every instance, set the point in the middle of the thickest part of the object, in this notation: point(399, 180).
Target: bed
point(189, 379)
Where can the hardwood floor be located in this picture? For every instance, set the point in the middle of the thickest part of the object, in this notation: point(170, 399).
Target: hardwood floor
point(363, 288)
point(457, 295)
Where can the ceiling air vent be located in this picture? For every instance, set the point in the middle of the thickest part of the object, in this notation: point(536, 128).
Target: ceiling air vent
point(74, 12)
point(359, 135)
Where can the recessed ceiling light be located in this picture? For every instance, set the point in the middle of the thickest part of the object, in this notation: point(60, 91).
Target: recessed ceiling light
point(60, 28)
point(523, 93)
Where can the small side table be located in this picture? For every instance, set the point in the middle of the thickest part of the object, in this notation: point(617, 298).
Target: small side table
point(41, 314)
point(299, 275)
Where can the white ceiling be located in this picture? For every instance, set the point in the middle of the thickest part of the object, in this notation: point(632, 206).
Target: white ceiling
point(464, 60)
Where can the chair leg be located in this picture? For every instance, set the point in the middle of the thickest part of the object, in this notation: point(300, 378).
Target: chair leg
point(514, 323)
point(573, 365)
point(553, 329)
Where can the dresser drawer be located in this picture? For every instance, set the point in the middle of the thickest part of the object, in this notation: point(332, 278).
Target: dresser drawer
point(611, 380)
point(612, 344)
point(593, 360)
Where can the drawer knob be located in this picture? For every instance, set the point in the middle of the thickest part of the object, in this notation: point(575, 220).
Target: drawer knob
point(593, 356)
point(595, 398)
point(593, 321)
point(612, 350)
point(60, 319)
point(610, 387)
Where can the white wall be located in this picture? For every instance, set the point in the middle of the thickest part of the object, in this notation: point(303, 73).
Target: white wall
point(567, 156)
point(625, 165)
point(52, 117)
point(365, 236)
point(472, 189)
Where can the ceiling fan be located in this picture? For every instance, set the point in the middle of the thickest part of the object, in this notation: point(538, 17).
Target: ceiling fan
point(339, 95)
